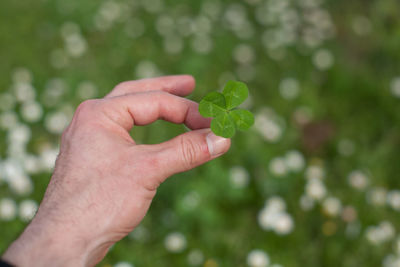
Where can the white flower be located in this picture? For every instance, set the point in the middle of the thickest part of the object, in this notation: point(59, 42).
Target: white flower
point(358, 180)
point(8, 120)
point(175, 242)
point(381, 233)
point(27, 210)
point(257, 258)
point(123, 264)
point(275, 203)
point(346, 147)
point(243, 54)
point(19, 134)
point(173, 44)
point(202, 44)
point(315, 189)
point(377, 196)
point(391, 261)
point(22, 75)
point(48, 158)
point(24, 92)
point(332, 206)
point(294, 160)
point(315, 172)
point(284, 224)
point(134, 28)
point(56, 122)
point(75, 45)
point(395, 87)
point(191, 200)
point(277, 167)
point(393, 199)
point(323, 59)
point(306, 202)
point(239, 176)
point(269, 125)
point(146, 69)
point(21, 184)
point(195, 257)
point(86, 90)
point(289, 88)
point(140, 233)
point(31, 111)
point(8, 209)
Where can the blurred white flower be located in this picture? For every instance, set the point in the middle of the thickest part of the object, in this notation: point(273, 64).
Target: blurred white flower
point(202, 44)
point(134, 28)
point(8, 209)
point(20, 134)
point(27, 210)
point(377, 196)
point(195, 257)
point(306, 202)
point(31, 164)
point(395, 87)
point(269, 125)
point(257, 258)
point(302, 115)
point(393, 199)
point(86, 90)
point(153, 6)
point(165, 25)
point(239, 176)
point(391, 261)
point(396, 246)
point(21, 184)
point(22, 75)
point(173, 44)
point(315, 172)
point(31, 111)
point(274, 217)
point(381, 233)
point(244, 54)
point(289, 88)
point(361, 25)
point(146, 69)
point(56, 122)
point(277, 167)
point(358, 179)
point(175, 242)
point(140, 233)
point(75, 45)
point(315, 189)
point(284, 224)
point(323, 59)
point(332, 206)
point(123, 264)
point(48, 158)
point(191, 200)
point(24, 92)
point(346, 147)
point(54, 92)
point(294, 160)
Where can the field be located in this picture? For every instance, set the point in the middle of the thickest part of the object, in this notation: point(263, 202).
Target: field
point(315, 182)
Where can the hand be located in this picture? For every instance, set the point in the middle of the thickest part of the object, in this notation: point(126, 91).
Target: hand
point(103, 182)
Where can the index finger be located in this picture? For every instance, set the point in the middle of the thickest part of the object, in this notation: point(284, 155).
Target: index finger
point(180, 85)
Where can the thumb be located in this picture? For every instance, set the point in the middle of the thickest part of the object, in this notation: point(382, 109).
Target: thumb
point(189, 150)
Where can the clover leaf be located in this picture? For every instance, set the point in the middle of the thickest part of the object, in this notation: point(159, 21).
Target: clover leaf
point(226, 119)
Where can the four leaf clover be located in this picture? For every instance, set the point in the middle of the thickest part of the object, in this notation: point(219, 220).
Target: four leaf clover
point(221, 106)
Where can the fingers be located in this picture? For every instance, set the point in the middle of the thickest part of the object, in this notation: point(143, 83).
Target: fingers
point(145, 108)
point(181, 85)
point(187, 151)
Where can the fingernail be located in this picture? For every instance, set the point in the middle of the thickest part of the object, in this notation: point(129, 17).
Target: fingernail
point(217, 144)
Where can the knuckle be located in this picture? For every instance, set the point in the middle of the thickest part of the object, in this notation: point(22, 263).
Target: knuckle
point(189, 152)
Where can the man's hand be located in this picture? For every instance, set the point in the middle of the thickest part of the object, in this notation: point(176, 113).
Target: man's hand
point(103, 182)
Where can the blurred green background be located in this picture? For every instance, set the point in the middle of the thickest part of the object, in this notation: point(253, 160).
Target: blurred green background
point(314, 183)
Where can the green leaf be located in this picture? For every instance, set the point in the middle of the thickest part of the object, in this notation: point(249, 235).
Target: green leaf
point(235, 93)
point(212, 105)
point(223, 125)
point(243, 119)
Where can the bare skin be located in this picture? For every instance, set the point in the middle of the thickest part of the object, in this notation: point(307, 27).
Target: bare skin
point(103, 183)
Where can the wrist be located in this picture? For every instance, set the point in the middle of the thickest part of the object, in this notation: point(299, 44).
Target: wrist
point(40, 245)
